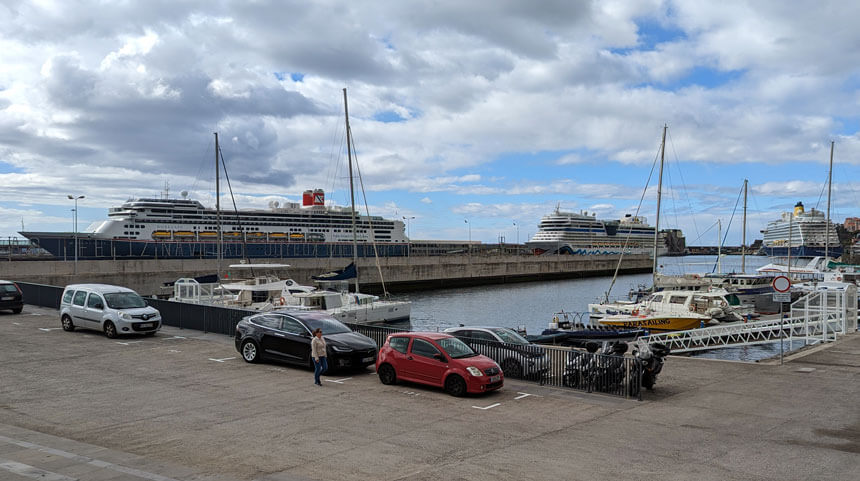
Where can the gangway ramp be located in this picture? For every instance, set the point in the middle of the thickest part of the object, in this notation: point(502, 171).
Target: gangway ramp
point(818, 317)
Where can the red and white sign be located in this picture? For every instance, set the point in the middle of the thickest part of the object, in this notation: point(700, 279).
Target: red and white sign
point(781, 284)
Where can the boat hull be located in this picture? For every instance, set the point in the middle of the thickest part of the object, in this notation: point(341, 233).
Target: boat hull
point(89, 248)
point(803, 251)
point(653, 323)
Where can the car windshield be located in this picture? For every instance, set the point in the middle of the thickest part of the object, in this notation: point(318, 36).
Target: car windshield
point(509, 336)
point(329, 325)
point(456, 348)
point(124, 300)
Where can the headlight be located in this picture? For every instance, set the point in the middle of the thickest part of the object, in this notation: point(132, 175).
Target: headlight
point(474, 371)
point(341, 349)
point(125, 316)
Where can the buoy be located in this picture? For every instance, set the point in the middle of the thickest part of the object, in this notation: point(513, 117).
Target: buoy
point(283, 301)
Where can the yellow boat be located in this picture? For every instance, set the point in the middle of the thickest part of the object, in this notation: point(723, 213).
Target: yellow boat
point(233, 234)
point(297, 236)
point(277, 235)
point(183, 233)
point(161, 234)
point(655, 322)
point(207, 234)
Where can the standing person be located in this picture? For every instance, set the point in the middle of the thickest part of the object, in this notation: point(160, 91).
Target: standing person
point(318, 354)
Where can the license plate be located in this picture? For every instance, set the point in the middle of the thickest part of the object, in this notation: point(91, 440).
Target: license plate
point(367, 359)
point(145, 325)
point(8, 298)
point(494, 378)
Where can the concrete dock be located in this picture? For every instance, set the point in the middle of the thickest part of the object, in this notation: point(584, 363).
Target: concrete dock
point(184, 406)
point(400, 274)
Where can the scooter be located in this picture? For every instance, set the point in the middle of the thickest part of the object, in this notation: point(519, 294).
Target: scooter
point(598, 371)
point(651, 356)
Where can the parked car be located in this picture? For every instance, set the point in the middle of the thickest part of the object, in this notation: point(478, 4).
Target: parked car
point(11, 297)
point(113, 310)
point(518, 357)
point(286, 336)
point(437, 359)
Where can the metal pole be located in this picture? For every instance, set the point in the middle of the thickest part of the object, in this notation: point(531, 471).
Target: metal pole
point(744, 241)
point(75, 198)
point(829, 184)
point(351, 189)
point(781, 332)
point(218, 253)
point(790, 227)
point(659, 197)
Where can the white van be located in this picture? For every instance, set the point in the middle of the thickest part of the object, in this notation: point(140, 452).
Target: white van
point(113, 310)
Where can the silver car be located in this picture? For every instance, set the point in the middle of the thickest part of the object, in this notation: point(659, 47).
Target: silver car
point(517, 357)
point(113, 310)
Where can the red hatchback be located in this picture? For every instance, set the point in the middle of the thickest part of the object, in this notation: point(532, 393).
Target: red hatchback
point(437, 359)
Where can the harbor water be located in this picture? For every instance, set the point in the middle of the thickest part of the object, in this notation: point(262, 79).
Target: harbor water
point(531, 305)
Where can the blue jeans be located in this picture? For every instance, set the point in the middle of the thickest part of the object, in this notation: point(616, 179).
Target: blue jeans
point(320, 367)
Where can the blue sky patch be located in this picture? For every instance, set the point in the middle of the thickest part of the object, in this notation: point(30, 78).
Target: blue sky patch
point(388, 116)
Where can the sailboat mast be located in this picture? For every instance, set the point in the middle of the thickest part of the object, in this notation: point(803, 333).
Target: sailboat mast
point(659, 198)
point(744, 237)
point(829, 184)
point(218, 206)
point(351, 189)
point(720, 246)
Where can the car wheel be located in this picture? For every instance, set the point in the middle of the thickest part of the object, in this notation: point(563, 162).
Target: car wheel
point(110, 330)
point(455, 385)
point(17, 310)
point(512, 368)
point(67, 324)
point(250, 351)
point(386, 374)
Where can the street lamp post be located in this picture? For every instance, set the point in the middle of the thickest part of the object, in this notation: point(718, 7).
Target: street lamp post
point(75, 198)
point(470, 235)
point(408, 238)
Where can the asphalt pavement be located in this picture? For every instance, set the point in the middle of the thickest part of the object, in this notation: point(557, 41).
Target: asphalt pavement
point(183, 405)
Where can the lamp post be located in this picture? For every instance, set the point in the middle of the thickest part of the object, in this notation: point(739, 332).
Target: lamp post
point(518, 232)
point(408, 239)
point(75, 198)
point(470, 235)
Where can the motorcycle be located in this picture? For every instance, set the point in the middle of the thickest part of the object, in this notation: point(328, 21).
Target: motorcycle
point(651, 356)
point(598, 371)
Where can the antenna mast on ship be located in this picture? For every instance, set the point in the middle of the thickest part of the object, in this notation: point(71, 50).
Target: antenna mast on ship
point(829, 184)
point(659, 196)
point(351, 189)
point(218, 206)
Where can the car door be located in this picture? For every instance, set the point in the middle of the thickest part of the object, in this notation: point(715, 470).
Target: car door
point(78, 310)
point(296, 341)
point(425, 364)
point(94, 310)
point(272, 339)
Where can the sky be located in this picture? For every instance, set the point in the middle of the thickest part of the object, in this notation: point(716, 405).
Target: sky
point(470, 119)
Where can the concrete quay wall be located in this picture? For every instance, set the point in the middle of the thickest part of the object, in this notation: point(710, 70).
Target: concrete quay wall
point(400, 273)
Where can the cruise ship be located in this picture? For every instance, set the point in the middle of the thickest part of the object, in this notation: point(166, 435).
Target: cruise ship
point(809, 232)
point(185, 229)
point(584, 234)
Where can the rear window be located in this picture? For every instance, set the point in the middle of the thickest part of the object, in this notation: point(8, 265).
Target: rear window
point(399, 344)
point(67, 297)
point(8, 288)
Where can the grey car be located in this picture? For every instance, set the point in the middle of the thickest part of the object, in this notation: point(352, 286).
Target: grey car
point(517, 357)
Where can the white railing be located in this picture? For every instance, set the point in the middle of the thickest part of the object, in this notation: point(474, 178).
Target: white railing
point(817, 317)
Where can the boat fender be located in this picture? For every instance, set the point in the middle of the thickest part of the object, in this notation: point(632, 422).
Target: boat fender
point(283, 301)
point(635, 312)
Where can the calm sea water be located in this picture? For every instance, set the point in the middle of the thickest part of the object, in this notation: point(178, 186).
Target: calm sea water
point(532, 304)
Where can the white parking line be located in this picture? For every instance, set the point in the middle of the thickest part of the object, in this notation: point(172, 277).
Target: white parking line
point(339, 381)
point(523, 395)
point(17, 323)
point(126, 343)
point(85, 459)
point(172, 338)
point(28, 471)
point(221, 360)
point(49, 329)
point(491, 406)
point(411, 393)
point(173, 350)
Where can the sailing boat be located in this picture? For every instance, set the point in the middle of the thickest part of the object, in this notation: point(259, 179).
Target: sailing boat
point(669, 311)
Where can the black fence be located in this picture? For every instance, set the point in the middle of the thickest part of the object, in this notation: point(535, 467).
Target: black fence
point(557, 366)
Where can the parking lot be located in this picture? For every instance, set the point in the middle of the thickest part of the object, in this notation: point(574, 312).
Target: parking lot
point(183, 405)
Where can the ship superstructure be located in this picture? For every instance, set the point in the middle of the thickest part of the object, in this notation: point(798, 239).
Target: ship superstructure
point(584, 234)
point(806, 232)
point(184, 228)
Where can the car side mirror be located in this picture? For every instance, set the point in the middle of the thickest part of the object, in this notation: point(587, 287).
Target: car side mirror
point(439, 357)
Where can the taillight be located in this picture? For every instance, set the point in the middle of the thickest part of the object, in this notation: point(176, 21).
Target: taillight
point(19, 289)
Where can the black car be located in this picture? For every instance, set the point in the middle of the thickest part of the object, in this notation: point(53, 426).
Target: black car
point(11, 297)
point(286, 336)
